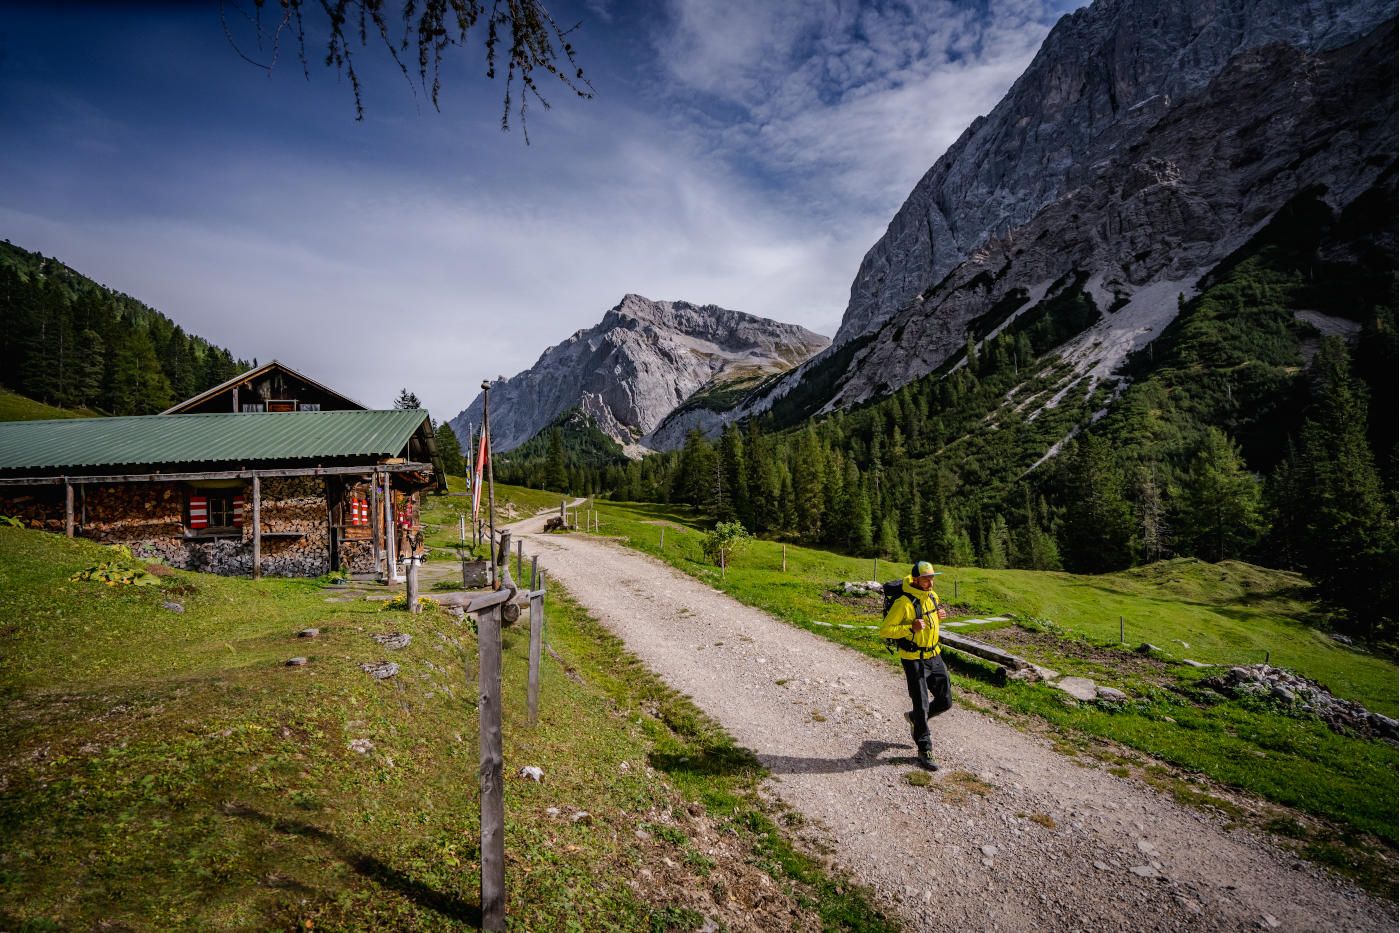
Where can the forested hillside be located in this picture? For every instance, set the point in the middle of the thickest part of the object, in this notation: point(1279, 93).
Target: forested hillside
point(1261, 425)
point(70, 342)
point(571, 453)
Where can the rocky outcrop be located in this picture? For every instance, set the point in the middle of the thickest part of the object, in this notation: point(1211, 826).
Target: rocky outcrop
point(1295, 692)
point(1104, 77)
point(638, 365)
point(1143, 144)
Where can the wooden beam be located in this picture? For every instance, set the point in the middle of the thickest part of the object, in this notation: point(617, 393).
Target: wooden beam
point(257, 527)
point(391, 543)
point(212, 474)
point(68, 509)
point(490, 772)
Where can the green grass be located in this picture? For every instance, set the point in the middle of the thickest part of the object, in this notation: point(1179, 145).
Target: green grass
point(167, 770)
point(440, 513)
point(16, 407)
point(1228, 613)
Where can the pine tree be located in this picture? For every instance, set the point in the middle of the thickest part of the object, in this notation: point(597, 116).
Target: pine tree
point(1350, 550)
point(451, 451)
point(556, 476)
point(1098, 526)
point(1153, 532)
point(998, 543)
point(407, 400)
point(1219, 510)
point(809, 485)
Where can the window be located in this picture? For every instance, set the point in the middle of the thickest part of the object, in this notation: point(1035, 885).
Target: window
point(281, 404)
point(215, 508)
point(310, 406)
point(252, 406)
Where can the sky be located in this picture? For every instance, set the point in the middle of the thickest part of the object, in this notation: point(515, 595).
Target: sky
point(744, 153)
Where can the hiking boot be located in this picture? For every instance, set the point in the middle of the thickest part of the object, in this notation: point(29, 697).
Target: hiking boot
point(926, 759)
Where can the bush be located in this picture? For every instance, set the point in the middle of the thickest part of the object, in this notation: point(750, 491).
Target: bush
point(727, 539)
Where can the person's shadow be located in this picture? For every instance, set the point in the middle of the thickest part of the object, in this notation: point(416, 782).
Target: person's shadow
point(868, 755)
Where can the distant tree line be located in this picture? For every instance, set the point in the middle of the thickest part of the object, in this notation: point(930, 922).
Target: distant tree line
point(1243, 434)
point(70, 342)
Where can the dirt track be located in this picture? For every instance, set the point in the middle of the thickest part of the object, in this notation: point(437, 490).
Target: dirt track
point(827, 722)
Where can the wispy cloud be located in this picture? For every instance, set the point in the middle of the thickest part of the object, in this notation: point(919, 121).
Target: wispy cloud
point(848, 104)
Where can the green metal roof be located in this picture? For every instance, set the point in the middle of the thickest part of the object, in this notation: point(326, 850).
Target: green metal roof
point(233, 438)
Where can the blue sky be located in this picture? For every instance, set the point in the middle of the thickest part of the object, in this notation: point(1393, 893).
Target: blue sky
point(745, 154)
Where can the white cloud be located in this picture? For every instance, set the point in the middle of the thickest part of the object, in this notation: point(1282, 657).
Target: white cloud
point(849, 103)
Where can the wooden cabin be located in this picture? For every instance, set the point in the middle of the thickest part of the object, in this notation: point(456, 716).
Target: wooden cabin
point(295, 493)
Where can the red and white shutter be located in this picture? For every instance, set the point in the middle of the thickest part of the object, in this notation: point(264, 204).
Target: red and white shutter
point(238, 511)
point(199, 511)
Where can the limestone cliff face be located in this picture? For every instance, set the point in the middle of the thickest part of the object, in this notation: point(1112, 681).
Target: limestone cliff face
point(641, 362)
point(1143, 144)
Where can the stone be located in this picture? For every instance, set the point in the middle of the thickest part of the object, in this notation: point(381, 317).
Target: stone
point(1111, 695)
point(361, 746)
point(581, 816)
point(634, 368)
point(309, 633)
point(1189, 663)
point(1081, 688)
point(380, 670)
point(533, 773)
point(296, 662)
point(1108, 180)
point(1270, 922)
point(990, 850)
point(394, 641)
point(172, 606)
point(1144, 871)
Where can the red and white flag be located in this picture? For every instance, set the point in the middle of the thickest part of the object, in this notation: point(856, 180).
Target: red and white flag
point(483, 451)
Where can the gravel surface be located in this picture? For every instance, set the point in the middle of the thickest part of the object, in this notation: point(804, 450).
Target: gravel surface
point(1009, 834)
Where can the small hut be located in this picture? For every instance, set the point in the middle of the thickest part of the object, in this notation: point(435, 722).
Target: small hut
point(297, 492)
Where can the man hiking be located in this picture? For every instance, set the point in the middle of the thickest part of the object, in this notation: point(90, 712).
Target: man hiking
point(911, 625)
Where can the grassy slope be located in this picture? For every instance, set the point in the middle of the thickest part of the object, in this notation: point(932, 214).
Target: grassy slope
point(1228, 613)
point(16, 407)
point(166, 770)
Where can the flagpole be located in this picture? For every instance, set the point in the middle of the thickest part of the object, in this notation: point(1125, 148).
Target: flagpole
point(490, 476)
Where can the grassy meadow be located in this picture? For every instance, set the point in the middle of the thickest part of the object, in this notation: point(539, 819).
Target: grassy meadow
point(1225, 614)
point(168, 770)
point(16, 407)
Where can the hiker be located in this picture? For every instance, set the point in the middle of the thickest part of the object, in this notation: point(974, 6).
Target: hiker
point(911, 626)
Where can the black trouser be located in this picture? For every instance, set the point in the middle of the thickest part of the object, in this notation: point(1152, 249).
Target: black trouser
point(931, 692)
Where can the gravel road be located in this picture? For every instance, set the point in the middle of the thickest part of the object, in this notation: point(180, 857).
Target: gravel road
point(828, 723)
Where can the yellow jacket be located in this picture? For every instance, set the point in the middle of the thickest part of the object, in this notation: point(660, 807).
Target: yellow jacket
point(899, 623)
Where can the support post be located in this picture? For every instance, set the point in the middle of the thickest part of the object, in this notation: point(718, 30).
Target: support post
point(663, 539)
point(412, 585)
point(535, 572)
point(493, 815)
point(68, 508)
point(721, 563)
point(875, 570)
point(784, 558)
point(536, 637)
point(462, 528)
point(257, 527)
point(1120, 630)
point(520, 559)
point(391, 543)
point(490, 472)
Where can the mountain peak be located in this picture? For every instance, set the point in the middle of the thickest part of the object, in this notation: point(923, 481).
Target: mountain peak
point(643, 360)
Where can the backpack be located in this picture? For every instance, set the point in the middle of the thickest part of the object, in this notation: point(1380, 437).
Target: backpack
point(892, 591)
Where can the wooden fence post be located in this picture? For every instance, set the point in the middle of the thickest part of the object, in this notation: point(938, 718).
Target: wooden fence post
point(257, 527)
point(68, 508)
point(412, 586)
point(663, 539)
point(536, 637)
point(784, 558)
point(493, 814)
point(535, 572)
point(520, 559)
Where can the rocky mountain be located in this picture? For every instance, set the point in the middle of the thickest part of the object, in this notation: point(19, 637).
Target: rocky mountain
point(642, 362)
point(1144, 143)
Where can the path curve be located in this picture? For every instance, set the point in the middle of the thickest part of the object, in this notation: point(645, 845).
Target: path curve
point(1120, 856)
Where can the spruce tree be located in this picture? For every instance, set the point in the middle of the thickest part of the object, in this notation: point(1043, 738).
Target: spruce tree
point(1098, 526)
point(1219, 509)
